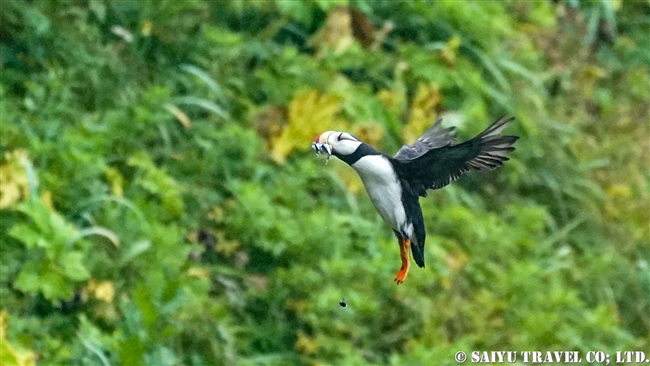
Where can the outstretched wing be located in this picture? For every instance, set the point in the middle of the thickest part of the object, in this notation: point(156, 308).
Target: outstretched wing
point(432, 138)
point(439, 166)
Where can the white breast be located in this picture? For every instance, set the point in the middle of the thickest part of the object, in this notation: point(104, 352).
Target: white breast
point(385, 192)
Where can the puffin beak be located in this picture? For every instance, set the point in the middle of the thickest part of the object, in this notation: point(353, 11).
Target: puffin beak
point(322, 148)
point(320, 144)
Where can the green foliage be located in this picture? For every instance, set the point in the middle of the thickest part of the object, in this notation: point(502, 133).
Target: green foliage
point(55, 266)
point(157, 182)
point(159, 203)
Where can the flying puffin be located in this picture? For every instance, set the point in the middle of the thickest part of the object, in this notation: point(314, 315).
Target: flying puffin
point(395, 184)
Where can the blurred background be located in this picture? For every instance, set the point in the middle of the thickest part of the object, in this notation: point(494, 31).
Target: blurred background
point(160, 204)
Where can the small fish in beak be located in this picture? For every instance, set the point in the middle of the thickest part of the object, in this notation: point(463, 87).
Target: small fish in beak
point(321, 149)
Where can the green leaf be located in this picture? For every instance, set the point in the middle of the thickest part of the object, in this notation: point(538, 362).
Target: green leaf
point(98, 8)
point(157, 181)
point(38, 213)
point(27, 235)
point(28, 279)
point(33, 279)
point(73, 266)
point(54, 286)
point(202, 103)
point(209, 81)
point(131, 351)
point(135, 250)
point(162, 356)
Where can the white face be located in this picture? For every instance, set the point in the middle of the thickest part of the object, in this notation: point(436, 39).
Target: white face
point(341, 143)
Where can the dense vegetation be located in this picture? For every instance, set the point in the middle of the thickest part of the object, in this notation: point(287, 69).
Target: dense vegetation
point(160, 205)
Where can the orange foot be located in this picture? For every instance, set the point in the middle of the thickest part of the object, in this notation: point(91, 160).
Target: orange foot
point(404, 251)
point(401, 275)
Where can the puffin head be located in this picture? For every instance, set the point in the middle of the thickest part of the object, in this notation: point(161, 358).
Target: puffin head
point(334, 142)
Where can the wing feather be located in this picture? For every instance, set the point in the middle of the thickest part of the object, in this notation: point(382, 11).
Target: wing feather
point(437, 167)
point(432, 138)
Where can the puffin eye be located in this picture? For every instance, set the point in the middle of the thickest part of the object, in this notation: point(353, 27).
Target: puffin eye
point(340, 136)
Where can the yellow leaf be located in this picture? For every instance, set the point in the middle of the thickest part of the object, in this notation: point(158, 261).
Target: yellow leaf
point(619, 190)
point(225, 246)
point(595, 72)
point(423, 111)
point(192, 236)
point(305, 344)
point(147, 26)
point(116, 181)
point(179, 114)
point(309, 115)
point(217, 214)
point(395, 98)
point(9, 354)
point(337, 33)
point(14, 184)
point(104, 291)
point(371, 133)
point(392, 99)
point(198, 272)
point(445, 282)
point(46, 197)
point(450, 50)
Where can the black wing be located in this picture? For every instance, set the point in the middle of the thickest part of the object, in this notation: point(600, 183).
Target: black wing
point(433, 138)
point(437, 167)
